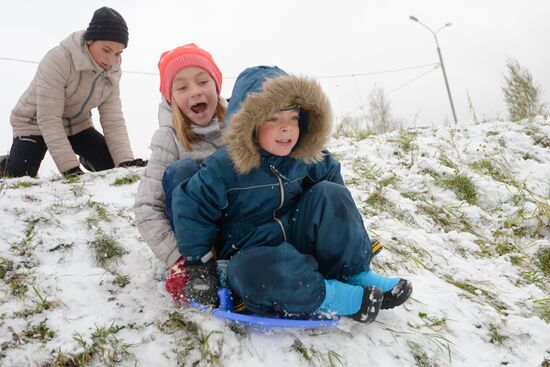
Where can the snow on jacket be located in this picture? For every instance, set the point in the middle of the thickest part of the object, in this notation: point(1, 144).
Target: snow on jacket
point(66, 87)
point(246, 191)
point(149, 206)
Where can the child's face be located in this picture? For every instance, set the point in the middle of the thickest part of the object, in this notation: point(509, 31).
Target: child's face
point(194, 91)
point(105, 53)
point(279, 133)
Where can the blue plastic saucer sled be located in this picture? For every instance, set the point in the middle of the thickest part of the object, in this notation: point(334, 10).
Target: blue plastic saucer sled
point(226, 311)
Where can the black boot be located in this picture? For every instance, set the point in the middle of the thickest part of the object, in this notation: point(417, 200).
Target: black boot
point(398, 295)
point(372, 300)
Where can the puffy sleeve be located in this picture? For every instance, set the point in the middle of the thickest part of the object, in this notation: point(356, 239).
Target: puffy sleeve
point(197, 205)
point(149, 207)
point(51, 79)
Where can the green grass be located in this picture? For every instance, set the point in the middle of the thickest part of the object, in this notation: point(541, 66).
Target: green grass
point(24, 247)
point(103, 349)
point(70, 179)
point(542, 307)
point(18, 284)
point(484, 166)
point(42, 303)
point(377, 200)
point(462, 185)
point(390, 180)
point(106, 249)
point(121, 280)
point(405, 139)
point(496, 337)
point(477, 292)
point(40, 331)
point(6, 266)
point(447, 162)
point(312, 355)
point(194, 339)
point(420, 357)
point(543, 260)
point(126, 180)
point(433, 322)
point(365, 172)
point(23, 184)
point(100, 214)
point(359, 135)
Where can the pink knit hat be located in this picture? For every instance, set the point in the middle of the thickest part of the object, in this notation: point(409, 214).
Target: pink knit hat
point(171, 62)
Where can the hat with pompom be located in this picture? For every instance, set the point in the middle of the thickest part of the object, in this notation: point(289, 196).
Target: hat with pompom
point(171, 62)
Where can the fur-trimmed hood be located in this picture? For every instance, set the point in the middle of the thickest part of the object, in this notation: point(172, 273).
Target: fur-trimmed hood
point(259, 92)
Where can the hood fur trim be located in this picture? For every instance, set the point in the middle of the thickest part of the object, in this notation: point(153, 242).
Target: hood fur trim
point(277, 93)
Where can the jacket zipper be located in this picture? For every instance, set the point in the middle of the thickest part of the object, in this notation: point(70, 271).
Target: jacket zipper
point(89, 96)
point(69, 119)
point(282, 192)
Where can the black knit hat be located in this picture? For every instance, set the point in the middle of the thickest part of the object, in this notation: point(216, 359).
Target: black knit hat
point(107, 25)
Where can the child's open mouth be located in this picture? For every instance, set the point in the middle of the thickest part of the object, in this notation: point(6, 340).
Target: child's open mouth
point(284, 141)
point(199, 107)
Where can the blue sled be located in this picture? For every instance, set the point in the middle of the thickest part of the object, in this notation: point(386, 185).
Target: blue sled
point(226, 311)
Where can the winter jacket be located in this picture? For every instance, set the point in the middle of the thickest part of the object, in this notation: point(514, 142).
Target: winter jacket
point(149, 206)
point(246, 191)
point(66, 87)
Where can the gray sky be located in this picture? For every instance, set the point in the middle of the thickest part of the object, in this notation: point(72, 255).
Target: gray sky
point(313, 37)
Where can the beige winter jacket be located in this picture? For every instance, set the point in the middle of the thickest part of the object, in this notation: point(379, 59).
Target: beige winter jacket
point(149, 206)
point(66, 87)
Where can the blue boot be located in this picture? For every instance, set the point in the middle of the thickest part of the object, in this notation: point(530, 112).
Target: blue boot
point(360, 303)
point(396, 290)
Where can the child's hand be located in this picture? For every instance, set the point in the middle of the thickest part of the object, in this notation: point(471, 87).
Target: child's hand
point(202, 283)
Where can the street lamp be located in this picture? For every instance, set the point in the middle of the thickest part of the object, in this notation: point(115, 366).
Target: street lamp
point(440, 59)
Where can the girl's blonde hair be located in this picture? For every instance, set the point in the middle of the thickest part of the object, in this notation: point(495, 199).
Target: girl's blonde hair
point(183, 125)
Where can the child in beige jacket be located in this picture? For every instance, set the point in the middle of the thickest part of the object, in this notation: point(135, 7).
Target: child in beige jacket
point(54, 113)
point(190, 115)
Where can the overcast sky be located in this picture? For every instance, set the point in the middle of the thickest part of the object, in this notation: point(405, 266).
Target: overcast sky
point(321, 38)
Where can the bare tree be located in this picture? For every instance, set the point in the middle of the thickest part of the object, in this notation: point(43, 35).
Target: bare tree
point(379, 114)
point(376, 120)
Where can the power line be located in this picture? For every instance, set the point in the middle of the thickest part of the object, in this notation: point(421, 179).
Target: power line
point(435, 66)
point(18, 60)
point(36, 62)
point(353, 75)
point(396, 88)
point(413, 79)
point(375, 72)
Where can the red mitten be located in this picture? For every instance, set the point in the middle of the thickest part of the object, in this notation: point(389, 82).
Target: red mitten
point(175, 283)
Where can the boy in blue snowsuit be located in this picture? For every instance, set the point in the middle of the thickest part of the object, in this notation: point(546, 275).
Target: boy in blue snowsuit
point(293, 235)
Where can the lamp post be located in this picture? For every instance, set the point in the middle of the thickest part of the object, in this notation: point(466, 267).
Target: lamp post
point(440, 60)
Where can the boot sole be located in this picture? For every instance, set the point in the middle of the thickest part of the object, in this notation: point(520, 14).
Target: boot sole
point(372, 301)
point(398, 295)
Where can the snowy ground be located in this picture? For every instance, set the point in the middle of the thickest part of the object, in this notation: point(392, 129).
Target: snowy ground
point(463, 212)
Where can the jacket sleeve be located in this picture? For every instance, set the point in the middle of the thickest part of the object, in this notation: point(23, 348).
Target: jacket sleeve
point(52, 76)
point(196, 207)
point(114, 126)
point(149, 206)
point(326, 170)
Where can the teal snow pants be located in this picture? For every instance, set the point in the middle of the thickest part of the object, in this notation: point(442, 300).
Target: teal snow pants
point(326, 239)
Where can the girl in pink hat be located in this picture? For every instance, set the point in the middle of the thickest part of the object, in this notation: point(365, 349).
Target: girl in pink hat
point(191, 114)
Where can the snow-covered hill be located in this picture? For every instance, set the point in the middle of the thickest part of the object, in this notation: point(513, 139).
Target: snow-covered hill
point(463, 212)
